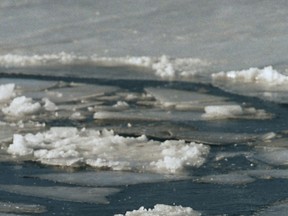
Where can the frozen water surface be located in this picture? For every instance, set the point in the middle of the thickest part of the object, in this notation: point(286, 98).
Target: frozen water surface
point(188, 98)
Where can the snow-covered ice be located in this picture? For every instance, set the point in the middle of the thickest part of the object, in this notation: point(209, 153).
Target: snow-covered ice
point(161, 209)
point(21, 106)
point(65, 146)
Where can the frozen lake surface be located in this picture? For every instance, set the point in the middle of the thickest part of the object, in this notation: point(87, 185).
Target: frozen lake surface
point(143, 107)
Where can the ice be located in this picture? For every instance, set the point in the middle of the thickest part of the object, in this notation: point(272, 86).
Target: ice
point(21, 106)
point(161, 210)
point(6, 92)
point(103, 149)
point(190, 134)
point(276, 209)
point(109, 178)
point(268, 173)
point(27, 85)
point(164, 67)
point(6, 133)
point(75, 92)
point(230, 178)
point(147, 115)
point(72, 194)
point(181, 99)
point(265, 83)
point(21, 208)
point(272, 155)
point(234, 111)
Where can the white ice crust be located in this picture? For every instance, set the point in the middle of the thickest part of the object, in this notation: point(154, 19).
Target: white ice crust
point(66, 146)
point(162, 210)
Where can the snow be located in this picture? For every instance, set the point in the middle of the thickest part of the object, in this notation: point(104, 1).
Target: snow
point(65, 146)
point(21, 106)
point(161, 210)
point(6, 92)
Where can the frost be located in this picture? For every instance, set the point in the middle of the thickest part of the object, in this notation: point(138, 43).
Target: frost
point(161, 210)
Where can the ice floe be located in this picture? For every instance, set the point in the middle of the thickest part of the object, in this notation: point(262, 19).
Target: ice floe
point(161, 209)
point(109, 178)
point(265, 83)
point(230, 178)
point(276, 209)
point(234, 111)
point(180, 99)
point(21, 208)
point(21, 106)
point(72, 194)
point(66, 146)
point(6, 92)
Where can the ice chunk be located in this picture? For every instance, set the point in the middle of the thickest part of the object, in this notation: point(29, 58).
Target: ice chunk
point(266, 75)
point(49, 105)
point(161, 209)
point(104, 149)
point(72, 194)
point(180, 99)
point(9, 207)
point(272, 155)
point(189, 134)
point(276, 209)
point(148, 115)
point(234, 111)
point(109, 178)
point(265, 83)
point(223, 111)
point(28, 85)
point(268, 173)
point(6, 92)
point(230, 178)
point(21, 106)
point(75, 92)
